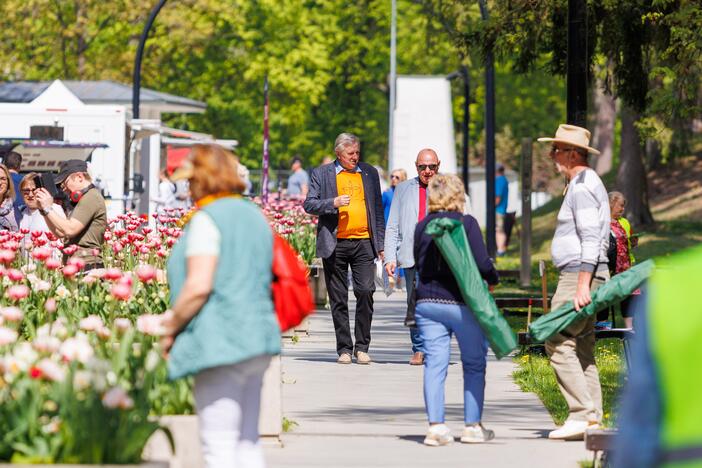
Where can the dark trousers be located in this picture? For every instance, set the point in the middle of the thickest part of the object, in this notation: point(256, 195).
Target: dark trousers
point(410, 279)
point(357, 253)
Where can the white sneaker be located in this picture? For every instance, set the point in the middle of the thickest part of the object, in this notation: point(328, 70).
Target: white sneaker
point(572, 430)
point(476, 434)
point(438, 434)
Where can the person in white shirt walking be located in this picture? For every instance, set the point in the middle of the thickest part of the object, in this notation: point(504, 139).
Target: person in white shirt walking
point(579, 251)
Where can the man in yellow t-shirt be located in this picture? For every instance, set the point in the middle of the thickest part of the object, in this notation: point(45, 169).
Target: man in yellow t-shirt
point(346, 196)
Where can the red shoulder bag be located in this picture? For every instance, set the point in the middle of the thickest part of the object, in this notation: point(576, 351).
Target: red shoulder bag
point(292, 295)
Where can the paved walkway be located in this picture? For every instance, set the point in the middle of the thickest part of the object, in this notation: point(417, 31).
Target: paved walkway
point(373, 416)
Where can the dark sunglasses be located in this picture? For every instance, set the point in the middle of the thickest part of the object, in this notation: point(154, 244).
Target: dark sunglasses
point(424, 167)
point(394, 176)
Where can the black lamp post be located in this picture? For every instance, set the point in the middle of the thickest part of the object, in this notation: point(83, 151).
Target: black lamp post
point(136, 84)
point(577, 79)
point(463, 73)
point(489, 144)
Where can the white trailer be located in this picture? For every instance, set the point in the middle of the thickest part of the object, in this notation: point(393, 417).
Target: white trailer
point(104, 126)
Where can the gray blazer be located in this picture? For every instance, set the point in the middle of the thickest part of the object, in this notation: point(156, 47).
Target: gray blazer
point(404, 213)
point(399, 233)
point(320, 202)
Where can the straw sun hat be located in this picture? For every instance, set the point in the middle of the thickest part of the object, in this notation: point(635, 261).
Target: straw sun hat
point(573, 136)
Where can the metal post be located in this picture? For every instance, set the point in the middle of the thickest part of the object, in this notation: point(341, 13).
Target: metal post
point(466, 120)
point(525, 169)
point(577, 76)
point(393, 79)
point(136, 84)
point(266, 155)
point(489, 144)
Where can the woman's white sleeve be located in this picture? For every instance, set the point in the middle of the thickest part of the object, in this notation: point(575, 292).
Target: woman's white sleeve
point(203, 236)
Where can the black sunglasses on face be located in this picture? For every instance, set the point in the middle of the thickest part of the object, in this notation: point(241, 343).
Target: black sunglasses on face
point(394, 177)
point(424, 167)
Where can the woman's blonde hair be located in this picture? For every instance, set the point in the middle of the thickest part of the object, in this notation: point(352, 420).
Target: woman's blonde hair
point(402, 173)
point(446, 193)
point(215, 170)
point(10, 193)
point(27, 179)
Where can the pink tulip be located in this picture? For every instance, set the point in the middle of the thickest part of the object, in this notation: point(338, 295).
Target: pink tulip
point(112, 274)
point(126, 279)
point(143, 249)
point(17, 292)
point(145, 273)
point(11, 314)
point(69, 271)
point(7, 256)
point(150, 324)
point(15, 275)
point(41, 253)
point(50, 305)
point(52, 263)
point(123, 324)
point(7, 336)
point(117, 247)
point(79, 263)
point(121, 291)
point(24, 231)
point(70, 250)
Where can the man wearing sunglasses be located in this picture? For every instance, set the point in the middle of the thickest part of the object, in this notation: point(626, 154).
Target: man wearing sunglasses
point(87, 214)
point(409, 206)
point(579, 251)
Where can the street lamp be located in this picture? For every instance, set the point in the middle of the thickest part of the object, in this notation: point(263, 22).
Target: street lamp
point(489, 143)
point(136, 84)
point(463, 73)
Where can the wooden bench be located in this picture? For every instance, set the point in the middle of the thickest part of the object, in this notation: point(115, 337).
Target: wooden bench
point(600, 440)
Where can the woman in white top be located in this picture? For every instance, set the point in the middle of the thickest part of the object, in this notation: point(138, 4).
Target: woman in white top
point(31, 217)
point(166, 199)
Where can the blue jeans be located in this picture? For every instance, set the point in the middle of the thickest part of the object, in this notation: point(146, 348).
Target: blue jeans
point(410, 281)
point(436, 323)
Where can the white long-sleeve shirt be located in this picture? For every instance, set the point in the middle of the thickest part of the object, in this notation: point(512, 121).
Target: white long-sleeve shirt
point(582, 231)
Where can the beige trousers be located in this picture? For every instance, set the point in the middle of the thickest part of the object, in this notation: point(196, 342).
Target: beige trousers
point(572, 354)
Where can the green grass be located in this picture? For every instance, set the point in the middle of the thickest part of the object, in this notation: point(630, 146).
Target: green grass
point(536, 375)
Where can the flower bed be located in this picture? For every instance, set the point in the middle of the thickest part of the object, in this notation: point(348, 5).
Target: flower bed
point(81, 377)
point(80, 368)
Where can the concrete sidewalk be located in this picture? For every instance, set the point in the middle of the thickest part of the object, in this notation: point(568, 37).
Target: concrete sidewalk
point(373, 416)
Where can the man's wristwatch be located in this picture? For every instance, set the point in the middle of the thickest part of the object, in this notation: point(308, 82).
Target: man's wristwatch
point(43, 211)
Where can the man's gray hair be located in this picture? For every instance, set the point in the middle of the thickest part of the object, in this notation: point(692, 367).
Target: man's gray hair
point(344, 140)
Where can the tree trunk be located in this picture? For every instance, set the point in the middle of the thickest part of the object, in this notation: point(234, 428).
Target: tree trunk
point(603, 134)
point(654, 157)
point(631, 175)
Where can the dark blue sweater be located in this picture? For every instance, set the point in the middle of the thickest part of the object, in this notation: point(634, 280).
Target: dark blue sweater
point(434, 277)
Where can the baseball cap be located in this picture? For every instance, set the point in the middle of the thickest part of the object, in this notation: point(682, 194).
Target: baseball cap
point(69, 167)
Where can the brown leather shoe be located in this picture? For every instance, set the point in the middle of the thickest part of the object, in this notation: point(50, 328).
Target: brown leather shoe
point(344, 358)
point(417, 359)
point(362, 358)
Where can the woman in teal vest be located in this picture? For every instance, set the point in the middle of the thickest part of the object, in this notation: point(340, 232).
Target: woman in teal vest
point(222, 328)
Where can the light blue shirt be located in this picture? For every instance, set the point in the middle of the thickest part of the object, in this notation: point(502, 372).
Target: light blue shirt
point(296, 181)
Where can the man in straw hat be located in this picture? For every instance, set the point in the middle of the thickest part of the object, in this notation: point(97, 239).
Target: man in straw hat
point(579, 251)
